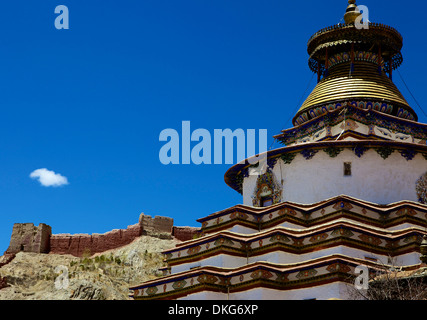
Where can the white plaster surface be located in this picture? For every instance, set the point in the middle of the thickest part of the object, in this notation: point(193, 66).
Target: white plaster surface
point(373, 178)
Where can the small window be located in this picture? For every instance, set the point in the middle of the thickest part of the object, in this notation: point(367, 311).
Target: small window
point(265, 202)
point(371, 259)
point(347, 169)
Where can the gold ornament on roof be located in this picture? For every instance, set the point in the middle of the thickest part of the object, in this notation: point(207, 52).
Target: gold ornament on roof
point(351, 13)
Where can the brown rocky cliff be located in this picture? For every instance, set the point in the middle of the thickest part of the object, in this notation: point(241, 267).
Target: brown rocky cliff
point(107, 275)
point(4, 260)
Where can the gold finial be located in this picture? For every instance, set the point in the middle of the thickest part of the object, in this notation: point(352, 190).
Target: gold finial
point(351, 13)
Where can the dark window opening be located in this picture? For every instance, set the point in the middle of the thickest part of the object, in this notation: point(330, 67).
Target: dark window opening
point(347, 168)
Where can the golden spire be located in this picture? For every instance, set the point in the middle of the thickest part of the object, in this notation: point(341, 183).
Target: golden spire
point(351, 13)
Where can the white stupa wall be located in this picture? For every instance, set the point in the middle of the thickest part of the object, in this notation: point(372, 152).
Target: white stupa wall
point(280, 257)
point(336, 290)
point(374, 179)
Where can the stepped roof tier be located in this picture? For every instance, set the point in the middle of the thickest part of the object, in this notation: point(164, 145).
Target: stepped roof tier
point(247, 219)
point(259, 280)
point(288, 247)
point(348, 188)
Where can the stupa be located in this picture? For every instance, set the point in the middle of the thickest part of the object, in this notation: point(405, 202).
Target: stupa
point(347, 189)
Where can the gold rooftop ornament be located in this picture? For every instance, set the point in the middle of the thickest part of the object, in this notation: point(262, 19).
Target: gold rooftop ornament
point(352, 12)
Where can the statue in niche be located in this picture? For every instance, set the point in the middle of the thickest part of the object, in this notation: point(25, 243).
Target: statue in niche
point(267, 191)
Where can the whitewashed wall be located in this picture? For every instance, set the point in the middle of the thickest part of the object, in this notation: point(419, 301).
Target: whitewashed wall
point(373, 178)
point(280, 257)
point(336, 290)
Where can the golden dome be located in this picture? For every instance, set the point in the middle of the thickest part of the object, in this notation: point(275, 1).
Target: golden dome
point(364, 83)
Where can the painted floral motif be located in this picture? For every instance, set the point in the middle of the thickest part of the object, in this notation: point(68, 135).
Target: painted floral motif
point(207, 278)
point(239, 215)
point(414, 238)
point(384, 152)
point(370, 239)
point(406, 211)
point(138, 292)
point(288, 157)
point(279, 238)
point(319, 237)
point(390, 244)
point(306, 273)
point(408, 154)
point(308, 154)
point(333, 152)
point(349, 125)
point(342, 205)
point(421, 188)
point(151, 290)
point(298, 242)
point(282, 277)
point(218, 220)
point(261, 274)
point(359, 151)
point(194, 250)
point(242, 215)
point(341, 232)
point(338, 267)
point(223, 241)
point(179, 284)
point(289, 211)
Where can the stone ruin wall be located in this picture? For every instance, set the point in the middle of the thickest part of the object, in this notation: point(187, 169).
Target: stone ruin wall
point(29, 238)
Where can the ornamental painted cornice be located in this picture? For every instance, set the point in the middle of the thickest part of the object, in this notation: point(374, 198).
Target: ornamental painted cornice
point(381, 216)
point(339, 233)
point(235, 175)
point(309, 273)
point(364, 112)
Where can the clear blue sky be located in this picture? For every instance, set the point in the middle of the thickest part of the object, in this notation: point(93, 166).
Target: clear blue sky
point(90, 102)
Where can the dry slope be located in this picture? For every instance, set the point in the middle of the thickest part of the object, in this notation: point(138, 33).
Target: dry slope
point(108, 275)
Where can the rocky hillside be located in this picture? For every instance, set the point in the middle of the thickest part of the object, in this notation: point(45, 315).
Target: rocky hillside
point(107, 275)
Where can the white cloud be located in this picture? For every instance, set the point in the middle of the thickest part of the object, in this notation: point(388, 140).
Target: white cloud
point(48, 178)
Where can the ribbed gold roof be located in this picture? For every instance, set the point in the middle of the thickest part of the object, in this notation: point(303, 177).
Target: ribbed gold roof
point(365, 82)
